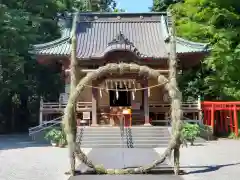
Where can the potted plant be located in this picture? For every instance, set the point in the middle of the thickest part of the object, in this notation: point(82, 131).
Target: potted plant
point(206, 132)
point(190, 132)
point(62, 139)
point(53, 136)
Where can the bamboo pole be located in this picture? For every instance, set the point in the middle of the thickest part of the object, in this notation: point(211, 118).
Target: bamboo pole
point(71, 127)
point(176, 100)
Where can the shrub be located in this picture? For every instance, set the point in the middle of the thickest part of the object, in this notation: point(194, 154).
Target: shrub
point(54, 135)
point(190, 132)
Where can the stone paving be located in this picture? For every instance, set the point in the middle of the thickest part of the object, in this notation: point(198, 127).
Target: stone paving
point(216, 160)
point(120, 158)
point(21, 159)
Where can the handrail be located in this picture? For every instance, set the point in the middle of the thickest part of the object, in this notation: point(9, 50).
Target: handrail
point(45, 123)
point(58, 122)
point(66, 102)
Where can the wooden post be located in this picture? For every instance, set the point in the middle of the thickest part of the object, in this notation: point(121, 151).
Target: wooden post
point(212, 116)
point(94, 106)
point(230, 121)
point(200, 115)
point(221, 120)
point(235, 120)
point(146, 104)
point(168, 123)
point(41, 112)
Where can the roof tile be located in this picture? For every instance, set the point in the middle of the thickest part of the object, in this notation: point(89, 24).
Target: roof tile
point(143, 35)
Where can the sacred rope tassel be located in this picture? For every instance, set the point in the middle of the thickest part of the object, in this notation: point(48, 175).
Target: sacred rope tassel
point(125, 84)
point(134, 86)
point(100, 92)
point(106, 82)
point(133, 95)
point(117, 94)
point(149, 92)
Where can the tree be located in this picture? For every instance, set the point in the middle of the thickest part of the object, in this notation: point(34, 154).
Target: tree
point(22, 79)
point(210, 21)
point(100, 5)
point(162, 5)
point(216, 22)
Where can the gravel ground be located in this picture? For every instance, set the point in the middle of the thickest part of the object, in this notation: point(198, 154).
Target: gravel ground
point(216, 160)
point(21, 159)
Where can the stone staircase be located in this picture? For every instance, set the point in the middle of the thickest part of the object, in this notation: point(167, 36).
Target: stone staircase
point(131, 137)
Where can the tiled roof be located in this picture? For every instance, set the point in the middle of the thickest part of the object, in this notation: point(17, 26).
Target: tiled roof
point(100, 33)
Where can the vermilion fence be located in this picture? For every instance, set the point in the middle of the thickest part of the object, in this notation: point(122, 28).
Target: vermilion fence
point(222, 116)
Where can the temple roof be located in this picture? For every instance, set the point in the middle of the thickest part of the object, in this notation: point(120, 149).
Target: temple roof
point(145, 34)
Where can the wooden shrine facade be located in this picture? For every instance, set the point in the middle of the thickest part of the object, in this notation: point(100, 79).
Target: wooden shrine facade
point(102, 38)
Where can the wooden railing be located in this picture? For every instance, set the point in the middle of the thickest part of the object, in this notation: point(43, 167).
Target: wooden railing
point(51, 106)
point(87, 106)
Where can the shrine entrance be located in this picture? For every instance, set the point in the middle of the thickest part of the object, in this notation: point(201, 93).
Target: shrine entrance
point(121, 93)
point(121, 98)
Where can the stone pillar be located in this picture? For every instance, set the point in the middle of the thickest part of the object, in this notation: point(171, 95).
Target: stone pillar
point(41, 112)
point(94, 106)
point(145, 103)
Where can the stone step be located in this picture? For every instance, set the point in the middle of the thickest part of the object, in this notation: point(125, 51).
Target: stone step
point(118, 137)
point(119, 129)
point(135, 137)
point(99, 128)
point(120, 146)
point(85, 140)
point(138, 134)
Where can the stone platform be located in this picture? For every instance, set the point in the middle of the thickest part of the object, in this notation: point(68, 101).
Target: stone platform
point(121, 158)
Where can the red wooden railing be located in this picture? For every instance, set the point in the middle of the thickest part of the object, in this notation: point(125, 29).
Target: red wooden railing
point(221, 116)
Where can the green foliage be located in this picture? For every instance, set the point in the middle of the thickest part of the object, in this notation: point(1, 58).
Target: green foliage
point(57, 136)
point(216, 22)
point(190, 132)
point(53, 135)
point(22, 79)
point(116, 10)
point(232, 135)
point(162, 5)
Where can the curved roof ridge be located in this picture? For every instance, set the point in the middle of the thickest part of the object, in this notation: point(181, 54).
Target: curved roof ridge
point(64, 37)
point(164, 28)
point(120, 47)
point(51, 43)
point(197, 45)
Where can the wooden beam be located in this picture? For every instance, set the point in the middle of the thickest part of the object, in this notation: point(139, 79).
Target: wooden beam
point(91, 70)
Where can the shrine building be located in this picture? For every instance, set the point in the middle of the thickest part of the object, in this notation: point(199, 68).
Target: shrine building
point(140, 38)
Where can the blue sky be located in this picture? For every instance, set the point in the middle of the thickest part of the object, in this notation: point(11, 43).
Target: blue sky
point(135, 5)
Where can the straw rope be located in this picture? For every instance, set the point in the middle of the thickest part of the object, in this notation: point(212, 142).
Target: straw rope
point(133, 89)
